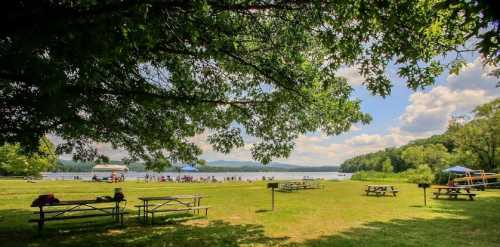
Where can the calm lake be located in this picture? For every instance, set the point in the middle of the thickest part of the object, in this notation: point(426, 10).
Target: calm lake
point(217, 175)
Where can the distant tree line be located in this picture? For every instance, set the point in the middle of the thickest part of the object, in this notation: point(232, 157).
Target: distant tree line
point(474, 143)
point(72, 166)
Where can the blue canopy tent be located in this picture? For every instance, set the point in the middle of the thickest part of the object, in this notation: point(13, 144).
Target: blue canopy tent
point(457, 170)
point(189, 169)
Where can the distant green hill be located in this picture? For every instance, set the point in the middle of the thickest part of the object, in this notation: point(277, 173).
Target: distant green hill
point(232, 163)
point(213, 166)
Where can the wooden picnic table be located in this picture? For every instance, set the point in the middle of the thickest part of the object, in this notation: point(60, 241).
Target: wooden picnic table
point(453, 192)
point(380, 190)
point(92, 206)
point(169, 204)
point(298, 185)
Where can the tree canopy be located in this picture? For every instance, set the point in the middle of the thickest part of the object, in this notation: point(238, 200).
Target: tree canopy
point(481, 136)
point(14, 163)
point(149, 75)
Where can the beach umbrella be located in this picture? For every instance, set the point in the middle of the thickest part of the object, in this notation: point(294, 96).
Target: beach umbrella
point(457, 170)
point(189, 169)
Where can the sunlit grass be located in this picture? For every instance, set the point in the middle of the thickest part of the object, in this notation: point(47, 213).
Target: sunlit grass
point(338, 215)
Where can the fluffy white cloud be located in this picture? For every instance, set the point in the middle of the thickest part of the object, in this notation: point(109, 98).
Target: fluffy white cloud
point(352, 75)
point(315, 151)
point(108, 150)
point(240, 154)
point(364, 140)
point(429, 112)
point(473, 76)
point(354, 128)
point(102, 148)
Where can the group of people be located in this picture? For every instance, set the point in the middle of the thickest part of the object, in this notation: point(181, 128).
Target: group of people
point(114, 178)
point(179, 179)
point(188, 179)
point(167, 178)
point(234, 178)
point(153, 178)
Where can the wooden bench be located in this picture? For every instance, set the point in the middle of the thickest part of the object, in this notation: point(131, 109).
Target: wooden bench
point(381, 190)
point(77, 217)
point(298, 185)
point(455, 195)
point(382, 193)
point(169, 204)
point(453, 192)
point(74, 210)
point(287, 187)
point(163, 210)
point(141, 207)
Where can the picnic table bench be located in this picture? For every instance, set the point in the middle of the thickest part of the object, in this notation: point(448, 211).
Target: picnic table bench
point(177, 203)
point(381, 190)
point(65, 210)
point(298, 185)
point(453, 192)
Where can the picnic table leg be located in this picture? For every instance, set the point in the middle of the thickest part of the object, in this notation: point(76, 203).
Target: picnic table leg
point(198, 204)
point(40, 226)
point(41, 221)
point(116, 212)
point(119, 214)
point(144, 211)
point(195, 202)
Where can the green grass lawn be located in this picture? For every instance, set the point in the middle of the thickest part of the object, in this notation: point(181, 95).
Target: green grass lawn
point(338, 215)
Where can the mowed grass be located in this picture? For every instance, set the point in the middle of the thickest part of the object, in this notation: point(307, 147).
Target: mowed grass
point(337, 215)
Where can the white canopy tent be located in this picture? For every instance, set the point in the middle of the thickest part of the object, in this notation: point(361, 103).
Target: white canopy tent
point(109, 168)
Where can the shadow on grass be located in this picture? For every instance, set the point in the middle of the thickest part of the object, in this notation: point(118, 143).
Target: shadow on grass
point(262, 211)
point(170, 230)
point(461, 223)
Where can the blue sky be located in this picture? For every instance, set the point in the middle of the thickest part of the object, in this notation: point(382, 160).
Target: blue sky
point(403, 116)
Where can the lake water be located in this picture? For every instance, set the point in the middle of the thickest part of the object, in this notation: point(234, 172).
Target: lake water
point(218, 175)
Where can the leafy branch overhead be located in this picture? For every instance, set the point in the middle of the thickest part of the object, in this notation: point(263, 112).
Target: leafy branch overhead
point(149, 75)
